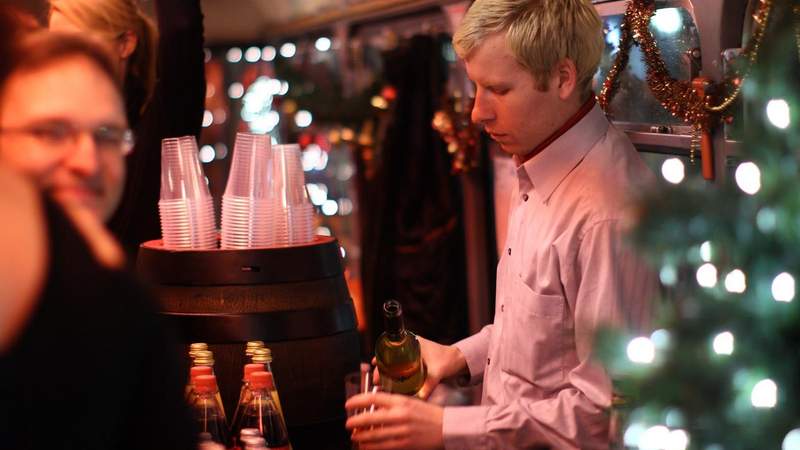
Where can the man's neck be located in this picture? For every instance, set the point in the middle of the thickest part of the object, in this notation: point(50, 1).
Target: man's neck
point(569, 123)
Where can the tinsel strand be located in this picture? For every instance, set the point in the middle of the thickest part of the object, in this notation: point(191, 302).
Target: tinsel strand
point(751, 52)
point(611, 83)
point(675, 96)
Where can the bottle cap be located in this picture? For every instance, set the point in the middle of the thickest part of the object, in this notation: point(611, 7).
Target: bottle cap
point(205, 383)
point(250, 368)
point(204, 358)
point(204, 354)
point(261, 380)
point(196, 371)
point(262, 355)
point(195, 347)
point(252, 346)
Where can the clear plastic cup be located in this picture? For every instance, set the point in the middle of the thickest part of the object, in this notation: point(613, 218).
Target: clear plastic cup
point(247, 205)
point(246, 223)
point(186, 208)
point(250, 175)
point(293, 212)
point(288, 178)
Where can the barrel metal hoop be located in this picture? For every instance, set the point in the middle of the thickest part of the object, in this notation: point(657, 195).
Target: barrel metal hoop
point(272, 326)
point(217, 267)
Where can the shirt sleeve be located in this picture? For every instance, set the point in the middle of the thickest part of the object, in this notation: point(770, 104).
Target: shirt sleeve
point(614, 288)
point(475, 348)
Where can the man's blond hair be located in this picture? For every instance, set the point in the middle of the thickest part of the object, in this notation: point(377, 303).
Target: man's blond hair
point(540, 33)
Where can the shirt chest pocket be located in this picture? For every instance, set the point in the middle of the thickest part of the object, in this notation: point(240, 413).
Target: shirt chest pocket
point(533, 337)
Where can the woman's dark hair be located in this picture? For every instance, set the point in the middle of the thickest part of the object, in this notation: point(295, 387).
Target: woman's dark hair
point(14, 25)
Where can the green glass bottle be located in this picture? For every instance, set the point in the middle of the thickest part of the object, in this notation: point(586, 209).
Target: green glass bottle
point(398, 354)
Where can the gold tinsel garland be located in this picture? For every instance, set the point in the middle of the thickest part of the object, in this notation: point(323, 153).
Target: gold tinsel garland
point(611, 83)
point(677, 96)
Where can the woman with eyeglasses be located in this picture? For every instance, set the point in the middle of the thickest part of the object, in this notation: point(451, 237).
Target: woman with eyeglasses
point(85, 362)
point(162, 73)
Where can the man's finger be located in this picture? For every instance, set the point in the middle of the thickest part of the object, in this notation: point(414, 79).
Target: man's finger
point(427, 388)
point(366, 420)
point(374, 435)
point(379, 399)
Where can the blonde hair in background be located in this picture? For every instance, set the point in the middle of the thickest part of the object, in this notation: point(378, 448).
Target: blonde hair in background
point(113, 18)
point(540, 33)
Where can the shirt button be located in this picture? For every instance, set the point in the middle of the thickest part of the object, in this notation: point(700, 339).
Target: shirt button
point(525, 197)
point(509, 251)
point(488, 361)
point(502, 308)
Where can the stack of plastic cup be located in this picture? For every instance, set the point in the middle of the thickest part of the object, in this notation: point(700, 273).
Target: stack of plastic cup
point(185, 207)
point(247, 206)
point(293, 213)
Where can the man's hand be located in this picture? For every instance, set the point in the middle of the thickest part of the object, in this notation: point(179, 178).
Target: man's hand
point(441, 361)
point(398, 422)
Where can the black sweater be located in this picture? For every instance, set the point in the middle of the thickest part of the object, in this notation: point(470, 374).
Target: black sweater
point(176, 109)
point(94, 367)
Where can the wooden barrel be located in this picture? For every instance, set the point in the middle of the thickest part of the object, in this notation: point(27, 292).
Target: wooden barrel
point(294, 299)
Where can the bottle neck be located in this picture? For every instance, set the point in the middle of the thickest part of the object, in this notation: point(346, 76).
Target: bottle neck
point(395, 328)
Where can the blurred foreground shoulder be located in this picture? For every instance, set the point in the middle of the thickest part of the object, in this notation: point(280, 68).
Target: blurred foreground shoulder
point(24, 253)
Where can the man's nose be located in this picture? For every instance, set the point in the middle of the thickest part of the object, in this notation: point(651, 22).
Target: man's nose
point(481, 110)
point(84, 156)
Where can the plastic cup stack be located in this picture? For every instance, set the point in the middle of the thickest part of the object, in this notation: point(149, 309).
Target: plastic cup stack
point(186, 208)
point(247, 203)
point(293, 213)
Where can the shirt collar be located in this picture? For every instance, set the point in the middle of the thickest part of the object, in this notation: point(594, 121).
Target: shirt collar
point(544, 172)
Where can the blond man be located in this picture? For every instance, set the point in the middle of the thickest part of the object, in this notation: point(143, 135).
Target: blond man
point(566, 269)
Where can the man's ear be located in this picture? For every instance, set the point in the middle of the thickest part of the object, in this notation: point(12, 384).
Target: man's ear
point(567, 75)
point(127, 44)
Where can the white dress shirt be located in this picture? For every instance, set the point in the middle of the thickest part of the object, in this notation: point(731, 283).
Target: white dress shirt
point(565, 271)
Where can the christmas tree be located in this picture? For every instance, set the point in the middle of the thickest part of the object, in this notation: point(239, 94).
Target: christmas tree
point(722, 369)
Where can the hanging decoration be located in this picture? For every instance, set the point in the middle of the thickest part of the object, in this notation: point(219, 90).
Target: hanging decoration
point(611, 83)
point(683, 99)
point(461, 135)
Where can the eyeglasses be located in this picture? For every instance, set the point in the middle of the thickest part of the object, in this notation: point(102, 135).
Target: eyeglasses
point(61, 135)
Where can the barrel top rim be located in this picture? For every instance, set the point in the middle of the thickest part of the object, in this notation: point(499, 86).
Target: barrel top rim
point(157, 245)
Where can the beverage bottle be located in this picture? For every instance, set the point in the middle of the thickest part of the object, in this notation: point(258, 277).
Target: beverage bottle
point(262, 414)
point(264, 356)
point(205, 358)
point(245, 395)
point(210, 419)
point(398, 354)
